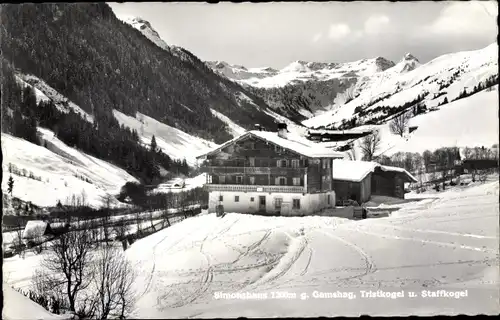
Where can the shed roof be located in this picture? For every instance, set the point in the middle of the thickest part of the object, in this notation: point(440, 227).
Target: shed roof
point(293, 143)
point(356, 171)
point(35, 228)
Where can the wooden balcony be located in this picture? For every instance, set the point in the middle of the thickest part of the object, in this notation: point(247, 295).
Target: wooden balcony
point(254, 170)
point(255, 188)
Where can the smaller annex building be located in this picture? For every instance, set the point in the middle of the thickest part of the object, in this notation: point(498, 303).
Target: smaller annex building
point(359, 180)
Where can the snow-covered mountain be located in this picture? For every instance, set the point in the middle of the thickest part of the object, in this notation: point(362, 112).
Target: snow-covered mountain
point(323, 94)
point(223, 68)
point(237, 72)
point(300, 71)
point(409, 84)
point(149, 32)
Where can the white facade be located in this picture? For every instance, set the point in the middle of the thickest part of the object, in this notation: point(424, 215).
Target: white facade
point(292, 204)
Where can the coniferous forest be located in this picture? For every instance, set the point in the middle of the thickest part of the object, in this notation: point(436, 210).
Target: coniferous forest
point(104, 138)
point(100, 63)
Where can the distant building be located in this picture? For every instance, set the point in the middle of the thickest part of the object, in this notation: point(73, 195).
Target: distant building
point(359, 180)
point(36, 229)
point(270, 173)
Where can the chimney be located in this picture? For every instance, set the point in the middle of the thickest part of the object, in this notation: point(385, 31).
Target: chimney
point(282, 130)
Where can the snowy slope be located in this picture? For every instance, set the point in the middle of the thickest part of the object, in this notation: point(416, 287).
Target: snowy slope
point(45, 92)
point(454, 245)
point(173, 142)
point(443, 77)
point(468, 122)
point(300, 71)
point(18, 307)
point(234, 128)
point(448, 241)
point(60, 170)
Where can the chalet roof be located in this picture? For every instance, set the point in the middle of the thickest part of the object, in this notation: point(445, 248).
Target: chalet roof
point(293, 143)
point(355, 171)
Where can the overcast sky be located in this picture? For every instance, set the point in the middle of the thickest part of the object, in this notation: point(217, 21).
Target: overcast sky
point(276, 34)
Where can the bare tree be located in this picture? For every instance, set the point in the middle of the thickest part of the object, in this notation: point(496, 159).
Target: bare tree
point(19, 245)
point(138, 221)
point(121, 229)
point(399, 124)
point(66, 266)
point(420, 178)
point(370, 144)
point(427, 159)
point(113, 278)
point(467, 153)
point(108, 200)
point(351, 153)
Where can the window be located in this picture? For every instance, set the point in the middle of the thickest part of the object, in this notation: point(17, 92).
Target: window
point(296, 181)
point(296, 204)
point(221, 198)
point(251, 161)
point(252, 145)
point(236, 198)
point(222, 179)
point(328, 199)
point(239, 179)
point(209, 178)
point(295, 163)
point(252, 180)
point(282, 181)
point(277, 203)
point(281, 163)
point(251, 199)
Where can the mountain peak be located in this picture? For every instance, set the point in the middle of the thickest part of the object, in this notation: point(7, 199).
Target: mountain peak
point(383, 64)
point(409, 56)
point(146, 29)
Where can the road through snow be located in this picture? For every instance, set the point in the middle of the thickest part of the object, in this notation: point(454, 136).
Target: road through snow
point(450, 244)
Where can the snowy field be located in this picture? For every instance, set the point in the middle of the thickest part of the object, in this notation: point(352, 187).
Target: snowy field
point(58, 166)
point(447, 242)
point(18, 307)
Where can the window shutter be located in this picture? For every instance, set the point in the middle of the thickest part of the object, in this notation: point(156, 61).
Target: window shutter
point(277, 181)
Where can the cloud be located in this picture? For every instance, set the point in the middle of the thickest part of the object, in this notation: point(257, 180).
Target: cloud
point(376, 24)
point(476, 18)
point(317, 37)
point(338, 31)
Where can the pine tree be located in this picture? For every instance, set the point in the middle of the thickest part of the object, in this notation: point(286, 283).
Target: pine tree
point(153, 144)
point(10, 184)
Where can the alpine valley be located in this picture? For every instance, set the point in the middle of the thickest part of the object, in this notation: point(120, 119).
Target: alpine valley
point(82, 82)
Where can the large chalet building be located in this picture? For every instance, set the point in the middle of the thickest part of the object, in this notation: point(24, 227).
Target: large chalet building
point(269, 173)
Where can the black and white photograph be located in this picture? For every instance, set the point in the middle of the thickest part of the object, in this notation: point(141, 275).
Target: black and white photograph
point(195, 160)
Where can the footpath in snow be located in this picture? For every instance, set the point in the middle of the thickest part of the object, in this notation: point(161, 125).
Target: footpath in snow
point(445, 250)
point(277, 266)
